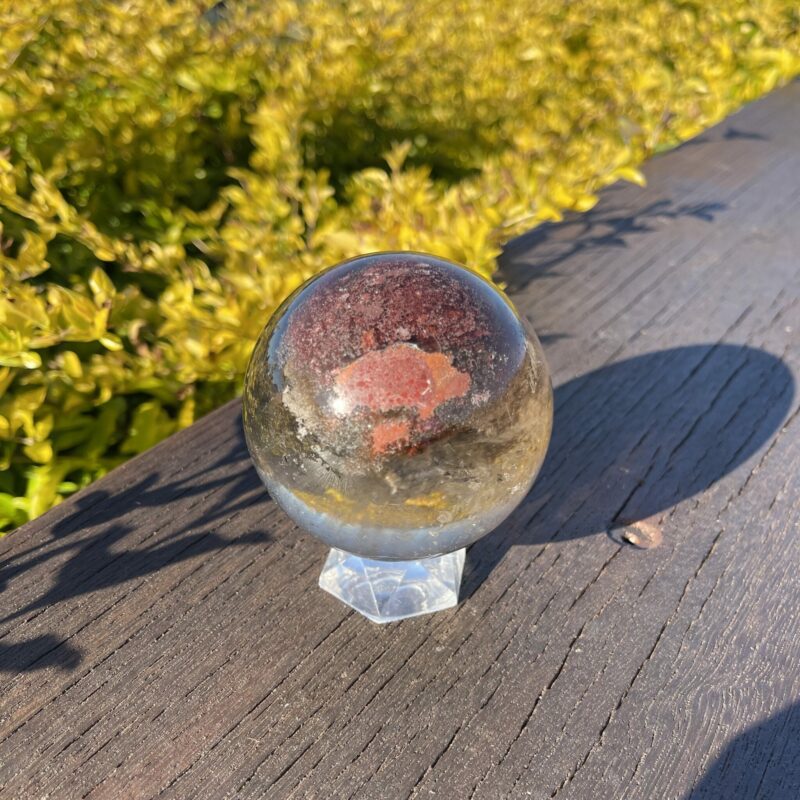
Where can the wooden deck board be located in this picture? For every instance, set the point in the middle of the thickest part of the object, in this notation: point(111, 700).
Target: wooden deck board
point(161, 633)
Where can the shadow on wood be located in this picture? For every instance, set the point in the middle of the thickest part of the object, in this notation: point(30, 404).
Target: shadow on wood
point(761, 762)
point(651, 431)
point(609, 225)
point(108, 557)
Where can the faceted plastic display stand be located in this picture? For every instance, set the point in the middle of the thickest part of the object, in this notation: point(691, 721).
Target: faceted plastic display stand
point(386, 591)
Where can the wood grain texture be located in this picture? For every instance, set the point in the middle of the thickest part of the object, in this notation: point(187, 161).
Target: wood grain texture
point(161, 634)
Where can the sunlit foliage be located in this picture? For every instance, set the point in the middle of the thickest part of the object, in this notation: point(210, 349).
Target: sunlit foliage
point(170, 170)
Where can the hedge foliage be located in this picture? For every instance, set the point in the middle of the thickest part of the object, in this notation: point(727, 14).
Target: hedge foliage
point(170, 170)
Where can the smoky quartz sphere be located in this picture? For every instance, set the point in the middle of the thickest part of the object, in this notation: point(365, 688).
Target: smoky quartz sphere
point(397, 407)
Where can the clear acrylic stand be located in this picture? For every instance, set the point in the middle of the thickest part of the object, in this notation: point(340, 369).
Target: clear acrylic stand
point(386, 591)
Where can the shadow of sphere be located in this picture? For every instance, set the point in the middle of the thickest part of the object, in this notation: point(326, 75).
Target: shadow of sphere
point(634, 438)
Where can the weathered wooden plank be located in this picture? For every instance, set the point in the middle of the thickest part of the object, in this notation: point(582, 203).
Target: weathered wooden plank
point(161, 633)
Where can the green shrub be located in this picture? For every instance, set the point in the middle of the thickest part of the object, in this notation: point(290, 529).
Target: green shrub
point(169, 173)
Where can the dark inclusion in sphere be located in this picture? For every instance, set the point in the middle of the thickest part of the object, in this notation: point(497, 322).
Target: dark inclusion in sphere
point(397, 407)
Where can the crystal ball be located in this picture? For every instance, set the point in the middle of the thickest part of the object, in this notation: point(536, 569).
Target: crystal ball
point(397, 407)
